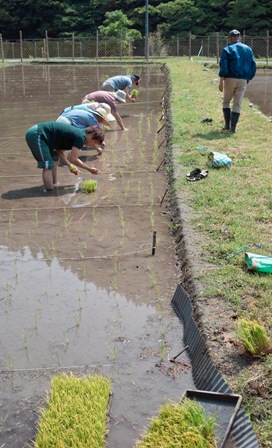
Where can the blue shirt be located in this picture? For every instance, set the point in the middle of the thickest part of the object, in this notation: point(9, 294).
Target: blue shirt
point(81, 118)
point(119, 82)
point(237, 61)
point(77, 106)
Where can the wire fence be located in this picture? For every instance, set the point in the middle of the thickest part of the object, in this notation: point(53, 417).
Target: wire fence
point(98, 48)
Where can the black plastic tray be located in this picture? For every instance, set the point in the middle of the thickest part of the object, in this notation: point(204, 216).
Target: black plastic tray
point(223, 407)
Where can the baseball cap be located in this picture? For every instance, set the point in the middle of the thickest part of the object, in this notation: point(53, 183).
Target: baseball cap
point(234, 33)
point(120, 95)
point(136, 79)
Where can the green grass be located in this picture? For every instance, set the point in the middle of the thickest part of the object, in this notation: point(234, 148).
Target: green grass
point(76, 413)
point(183, 424)
point(231, 209)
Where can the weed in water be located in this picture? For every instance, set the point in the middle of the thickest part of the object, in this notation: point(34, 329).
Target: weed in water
point(67, 218)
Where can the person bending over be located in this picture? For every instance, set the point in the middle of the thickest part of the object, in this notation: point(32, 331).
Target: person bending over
point(48, 142)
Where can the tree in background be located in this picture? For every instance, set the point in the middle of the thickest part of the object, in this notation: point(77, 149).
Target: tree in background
point(116, 24)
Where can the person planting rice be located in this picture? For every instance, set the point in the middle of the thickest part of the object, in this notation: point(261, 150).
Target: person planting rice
point(110, 98)
point(83, 117)
point(124, 83)
point(48, 142)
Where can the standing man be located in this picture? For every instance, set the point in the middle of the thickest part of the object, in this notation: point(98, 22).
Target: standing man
point(237, 68)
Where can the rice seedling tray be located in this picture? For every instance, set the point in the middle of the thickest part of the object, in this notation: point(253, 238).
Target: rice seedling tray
point(223, 407)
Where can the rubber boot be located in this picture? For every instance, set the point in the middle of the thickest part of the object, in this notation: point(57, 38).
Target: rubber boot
point(234, 120)
point(226, 113)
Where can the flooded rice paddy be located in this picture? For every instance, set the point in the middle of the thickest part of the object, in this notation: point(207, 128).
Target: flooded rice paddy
point(80, 289)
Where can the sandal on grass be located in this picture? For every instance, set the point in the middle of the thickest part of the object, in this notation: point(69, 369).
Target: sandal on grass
point(197, 176)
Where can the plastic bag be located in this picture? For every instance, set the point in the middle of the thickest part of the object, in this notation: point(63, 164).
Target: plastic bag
point(218, 160)
point(259, 263)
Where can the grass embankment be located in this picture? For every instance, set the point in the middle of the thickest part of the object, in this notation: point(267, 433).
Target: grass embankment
point(231, 209)
point(76, 413)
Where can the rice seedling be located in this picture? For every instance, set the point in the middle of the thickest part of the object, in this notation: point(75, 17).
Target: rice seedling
point(79, 301)
point(152, 275)
point(25, 339)
point(67, 218)
point(95, 216)
point(88, 186)
point(253, 337)
point(180, 424)
point(36, 217)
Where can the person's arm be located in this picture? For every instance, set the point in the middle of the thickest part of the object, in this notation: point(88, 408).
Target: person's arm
point(221, 84)
point(74, 160)
point(128, 96)
point(60, 153)
point(119, 120)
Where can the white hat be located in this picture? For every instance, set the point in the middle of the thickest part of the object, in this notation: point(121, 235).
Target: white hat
point(107, 108)
point(120, 95)
point(103, 114)
point(92, 105)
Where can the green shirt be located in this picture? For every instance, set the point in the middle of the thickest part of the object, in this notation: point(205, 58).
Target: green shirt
point(61, 135)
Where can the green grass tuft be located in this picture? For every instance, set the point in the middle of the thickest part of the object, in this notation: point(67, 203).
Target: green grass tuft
point(253, 337)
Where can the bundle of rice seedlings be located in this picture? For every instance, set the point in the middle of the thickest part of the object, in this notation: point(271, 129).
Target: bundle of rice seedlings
point(183, 425)
point(253, 337)
point(134, 93)
point(76, 413)
point(88, 186)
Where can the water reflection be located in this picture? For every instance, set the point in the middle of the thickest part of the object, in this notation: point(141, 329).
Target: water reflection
point(259, 91)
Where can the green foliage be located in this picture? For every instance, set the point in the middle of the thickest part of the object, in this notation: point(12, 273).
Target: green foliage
point(180, 424)
point(253, 337)
point(117, 23)
point(88, 186)
point(76, 412)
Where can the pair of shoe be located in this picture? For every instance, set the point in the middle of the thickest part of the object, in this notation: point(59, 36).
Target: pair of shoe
point(197, 174)
point(206, 120)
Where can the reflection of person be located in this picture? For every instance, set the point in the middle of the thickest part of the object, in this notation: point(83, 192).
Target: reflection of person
point(48, 141)
point(83, 117)
point(110, 98)
point(237, 68)
point(122, 83)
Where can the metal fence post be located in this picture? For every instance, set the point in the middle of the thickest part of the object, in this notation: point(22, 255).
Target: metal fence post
point(121, 41)
point(217, 47)
point(97, 44)
point(267, 47)
point(73, 46)
point(46, 46)
point(2, 48)
point(177, 46)
point(190, 45)
point(21, 46)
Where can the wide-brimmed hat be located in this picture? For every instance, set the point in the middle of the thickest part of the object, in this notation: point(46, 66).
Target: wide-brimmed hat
point(136, 79)
point(107, 108)
point(234, 33)
point(102, 114)
point(120, 95)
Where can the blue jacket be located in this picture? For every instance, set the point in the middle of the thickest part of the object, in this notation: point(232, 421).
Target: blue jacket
point(237, 61)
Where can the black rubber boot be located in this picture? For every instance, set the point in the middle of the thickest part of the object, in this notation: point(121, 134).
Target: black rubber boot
point(234, 120)
point(226, 113)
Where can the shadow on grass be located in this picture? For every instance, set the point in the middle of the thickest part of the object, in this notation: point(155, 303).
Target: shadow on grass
point(214, 135)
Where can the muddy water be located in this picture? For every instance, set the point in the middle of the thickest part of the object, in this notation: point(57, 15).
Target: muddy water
point(80, 289)
point(259, 91)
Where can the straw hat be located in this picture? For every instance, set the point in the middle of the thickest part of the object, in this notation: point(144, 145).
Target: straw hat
point(120, 95)
point(107, 108)
point(102, 114)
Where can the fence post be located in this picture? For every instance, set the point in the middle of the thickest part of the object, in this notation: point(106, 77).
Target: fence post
point(217, 47)
point(73, 46)
point(177, 45)
point(244, 36)
point(121, 42)
point(267, 47)
point(190, 45)
point(2, 48)
point(21, 46)
point(97, 45)
point(46, 46)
